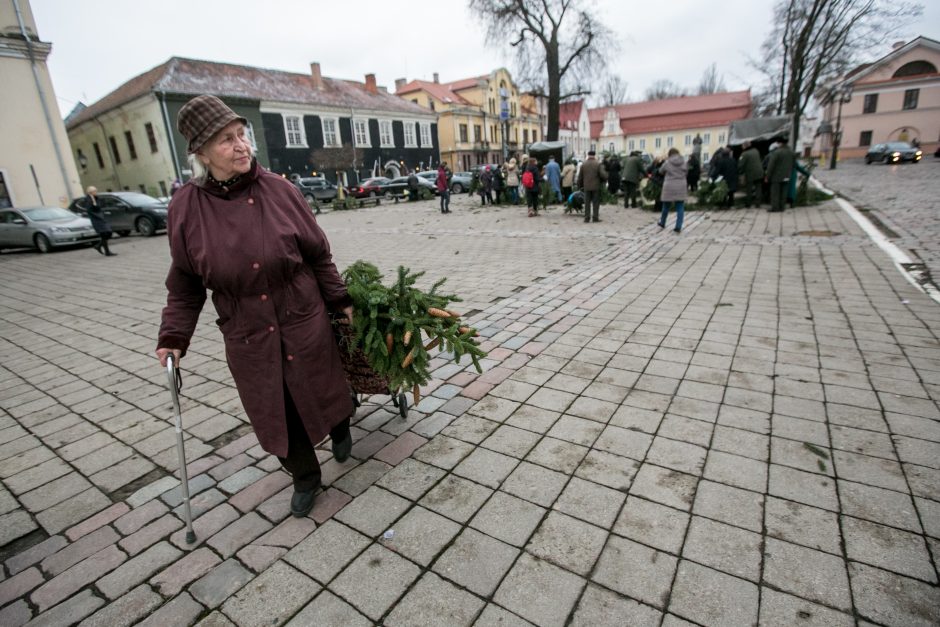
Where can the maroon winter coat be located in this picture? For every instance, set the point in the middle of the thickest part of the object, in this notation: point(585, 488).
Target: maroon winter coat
point(258, 248)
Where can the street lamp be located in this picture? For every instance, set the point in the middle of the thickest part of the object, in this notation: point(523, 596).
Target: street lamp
point(844, 93)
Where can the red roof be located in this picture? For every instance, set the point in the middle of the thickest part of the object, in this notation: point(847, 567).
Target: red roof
point(192, 76)
point(445, 92)
point(569, 114)
point(676, 113)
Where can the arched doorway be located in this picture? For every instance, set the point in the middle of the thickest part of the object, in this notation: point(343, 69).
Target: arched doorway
point(392, 170)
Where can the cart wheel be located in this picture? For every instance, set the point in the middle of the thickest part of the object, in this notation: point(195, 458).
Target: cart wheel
point(394, 399)
point(402, 404)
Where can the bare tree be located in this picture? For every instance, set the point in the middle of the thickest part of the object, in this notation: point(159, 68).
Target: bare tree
point(662, 89)
point(613, 91)
point(560, 45)
point(814, 42)
point(712, 82)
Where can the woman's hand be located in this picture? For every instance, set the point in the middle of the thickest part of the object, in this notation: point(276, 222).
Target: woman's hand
point(162, 354)
point(349, 313)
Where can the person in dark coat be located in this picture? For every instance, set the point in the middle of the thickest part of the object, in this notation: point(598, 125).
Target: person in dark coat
point(779, 170)
point(675, 189)
point(414, 187)
point(532, 193)
point(98, 221)
point(443, 187)
point(724, 165)
point(749, 166)
point(247, 235)
point(613, 175)
point(633, 172)
point(499, 185)
point(486, 185)
point(694, 173)
point(590, 178)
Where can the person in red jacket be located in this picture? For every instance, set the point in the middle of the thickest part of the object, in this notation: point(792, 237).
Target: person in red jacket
point(247, 235)
point(443, 187)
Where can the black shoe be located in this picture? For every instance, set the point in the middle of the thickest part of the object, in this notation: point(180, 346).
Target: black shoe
point(596, 220)
point(677, 230)
point(343, 448)
point(302, 502)
point(110, 254)
point(98, 248)
point(661, 225)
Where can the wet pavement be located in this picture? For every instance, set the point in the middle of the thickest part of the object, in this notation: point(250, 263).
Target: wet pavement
point(731, 426)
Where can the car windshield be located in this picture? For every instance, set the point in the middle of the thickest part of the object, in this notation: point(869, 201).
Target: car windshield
point(135, 198)
point(375, 181)
point(44, 214)
point(899, 146)
point(311, 181)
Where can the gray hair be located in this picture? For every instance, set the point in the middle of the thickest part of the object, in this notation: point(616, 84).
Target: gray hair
point(200, 170)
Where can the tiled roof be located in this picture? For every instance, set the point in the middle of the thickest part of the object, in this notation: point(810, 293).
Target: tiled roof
point(445, 92)
point(676, 113)
point(194, 77)
point(569, 114)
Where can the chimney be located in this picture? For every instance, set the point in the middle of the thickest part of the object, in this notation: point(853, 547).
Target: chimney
point(317, 77)
point(897, 44)
point(437, 79)
point(371, 87)
point(399, 83)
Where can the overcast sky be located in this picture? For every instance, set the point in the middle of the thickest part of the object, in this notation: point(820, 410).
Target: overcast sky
point(99, 44)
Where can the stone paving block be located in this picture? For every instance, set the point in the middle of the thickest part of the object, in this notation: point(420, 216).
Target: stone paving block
point(557, 455)
point(181, 610)
point(892, 599)
point(36, 476)
point(137, 569)
point(434, 600)
point(486, 467)
point(736, 471)
point(258, 558)
point(608, 469)
point(15, 614)
point(508, 518)
point(803, 487)
point(19, 585)
point(213, 588)
point(54, 492)
point(288, 533)
point(201, 503)
point(665, 486)
point(78, 576)
point(237, 534)
point(327, 550)
point(728, 549)
point(75, 609)
point(72, 554)
point(373, 512)
point(443, 452)
point(206, 526)
point(230, 466)
point(329, 609)
point(579, 431)
point(150, 534)
point(681, 456)
point(197, 484)
point(567, 542)
point(882, 473)
point(411, 479)
point(729, 505)
point(190, 567)
point(401, 448)
point(539, 591)
point(888, 548)
point(635, 570)
point(250, 497)
point(97, 521)
point(469, 428)
point(787, 568)
point(241, 479)
point(255, 604)
point(360, 478)
point(602, 608)
point(879, 505)
point(420, 535)
point(327, 504)
point(385, 575)
point(140, 516)
point(68, 512)
point(476, 561)
point(126, 610)
point(534, 483)
point(801, 524)
point(714, 598)
point(591, 502)
point(23, 560)
point(924, 482)
point(777, 608)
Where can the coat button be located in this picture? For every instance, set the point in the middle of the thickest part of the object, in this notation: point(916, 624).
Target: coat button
point(271, 329)
point(290, 358)
point(264, 297)
point(251, 201)
point(256, 265)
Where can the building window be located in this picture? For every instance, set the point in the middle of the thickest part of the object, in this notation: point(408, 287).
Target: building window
point(415, 100)
point(669, 142)
point(707, 138)
point(864, 138)
point(658, 142)
point(721, 138)
point(114, 149)
point(477, 133)
point(431, 104)
point(385, 134)
point(493, 136)
point(151, 137)
point(705, 156)
point(630, 145)
point(98, 155)
point(330, 133)
point(425, 129)
point(535, 136)
point(410, 141)
point(871, 103)
point(525, 136)
point(142, 188)
point(610, 147)
point(642, 144)
point(250, 134)
point(361, 132)
point(910, 98)
point(463, 133)
point(493, 106)
point(688, 140)
point(132, 151)
point(294, 131)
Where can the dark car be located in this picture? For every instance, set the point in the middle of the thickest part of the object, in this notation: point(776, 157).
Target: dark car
point(893, 152)
point(398, 186)
point(373, 187)
point(44, 228)
point(316, 188)
point(128, 211)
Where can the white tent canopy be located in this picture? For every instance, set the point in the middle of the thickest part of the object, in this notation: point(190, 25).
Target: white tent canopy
point(759, 129)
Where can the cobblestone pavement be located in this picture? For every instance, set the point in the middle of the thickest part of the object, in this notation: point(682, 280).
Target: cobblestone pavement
point(734, 425)
point(904, 198)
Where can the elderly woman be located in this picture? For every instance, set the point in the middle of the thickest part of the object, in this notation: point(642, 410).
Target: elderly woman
point(248, 236)
point(674, 172)
point(98, 221)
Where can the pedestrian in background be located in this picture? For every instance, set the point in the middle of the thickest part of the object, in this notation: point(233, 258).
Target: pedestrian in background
point(779, 170)
point(175, 186)
point(98, 221)
point(247, 235)
point(567, 178)
point(633, 172)
point(749, 166)
point(674, 172)
point(530, 181)
point(414, 187)
point(499, 184)
point(553, 176)
point(590, 179)
point(613, 175)
point(512, 181)
point(443, 187)
point(486, 186)
point(695, 172)
point(723, 165)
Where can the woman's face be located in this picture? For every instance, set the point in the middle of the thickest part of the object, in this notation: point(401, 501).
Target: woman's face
point(227, 153)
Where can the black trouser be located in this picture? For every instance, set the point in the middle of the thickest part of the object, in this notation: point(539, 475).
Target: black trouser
point(592, 202)
point(629, 193)
point(729, 200)
point(103, 242)
point(566, 192)
point(752, 192)
point(778, 195)
point(532, 199)
point(301, 462)
point(445, 201)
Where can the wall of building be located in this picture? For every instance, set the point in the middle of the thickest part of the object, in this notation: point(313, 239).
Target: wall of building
point(713, 137)
point(890, 118)
point(35, 161)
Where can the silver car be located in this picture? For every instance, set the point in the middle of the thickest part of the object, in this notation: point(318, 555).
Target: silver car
point(43, 228)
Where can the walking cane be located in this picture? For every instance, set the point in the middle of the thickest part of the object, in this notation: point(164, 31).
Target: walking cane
point(176, 382)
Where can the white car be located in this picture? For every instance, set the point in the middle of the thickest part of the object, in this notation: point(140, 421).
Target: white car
point(44, 228)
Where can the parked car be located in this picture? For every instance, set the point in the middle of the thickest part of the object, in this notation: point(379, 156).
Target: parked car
point(893, 152)
point(374, 186)
point(128, 211)
point(316, 188)
point(44, 228)
point(460, 182)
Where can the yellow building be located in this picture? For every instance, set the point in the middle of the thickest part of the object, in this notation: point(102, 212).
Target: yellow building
point(36, 165)
point(482, 119)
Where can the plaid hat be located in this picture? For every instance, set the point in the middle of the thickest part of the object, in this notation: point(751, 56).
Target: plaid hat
point(201, 118)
